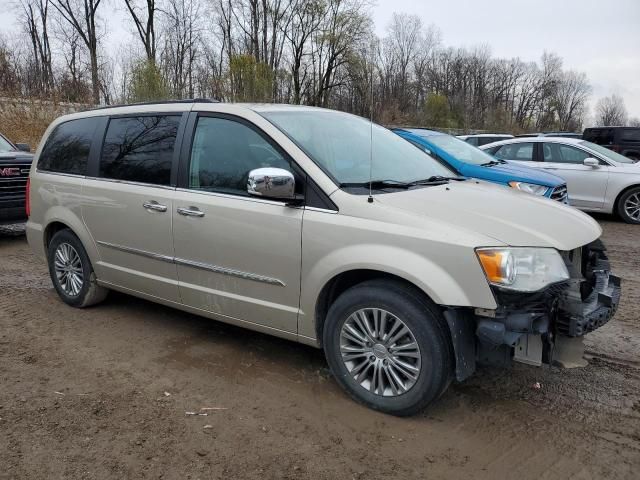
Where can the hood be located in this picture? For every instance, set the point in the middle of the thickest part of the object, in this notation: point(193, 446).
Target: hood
point(510, 216)
point(521, 173)
point(13, 156)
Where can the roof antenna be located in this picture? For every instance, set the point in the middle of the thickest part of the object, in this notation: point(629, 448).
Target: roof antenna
point(370, 199)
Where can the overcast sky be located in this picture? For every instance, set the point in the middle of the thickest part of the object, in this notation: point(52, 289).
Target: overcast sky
point(598, 37)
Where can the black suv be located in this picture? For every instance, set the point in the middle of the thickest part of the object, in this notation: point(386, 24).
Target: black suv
point(15, 162)
point(623, 140)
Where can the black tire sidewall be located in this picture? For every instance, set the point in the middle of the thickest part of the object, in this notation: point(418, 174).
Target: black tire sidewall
point(422, 319)
point(66, 236)
point(623, 199)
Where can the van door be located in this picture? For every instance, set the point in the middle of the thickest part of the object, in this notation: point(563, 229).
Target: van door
point(237, 256)
point(128, 200)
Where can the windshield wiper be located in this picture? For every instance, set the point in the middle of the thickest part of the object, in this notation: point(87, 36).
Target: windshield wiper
point(378, 184)
point(436, 179)
point(492, 163)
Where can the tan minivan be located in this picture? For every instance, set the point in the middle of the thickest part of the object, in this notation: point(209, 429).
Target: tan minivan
point(264, 216)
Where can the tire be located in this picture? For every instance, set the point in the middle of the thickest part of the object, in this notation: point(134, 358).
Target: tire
point(629, 206)
point(426, 325)
point(66, 250)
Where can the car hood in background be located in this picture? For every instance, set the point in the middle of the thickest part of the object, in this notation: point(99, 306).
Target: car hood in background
point(521, 173)
point(13, 156)
point(509, 216)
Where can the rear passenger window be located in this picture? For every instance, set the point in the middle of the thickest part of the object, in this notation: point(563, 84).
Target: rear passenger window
point(516, 151)
point(67, 148)
point(140, 149)
point(225, 151)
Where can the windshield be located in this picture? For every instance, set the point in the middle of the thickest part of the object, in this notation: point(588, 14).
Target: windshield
point(5, 146)
point(341, 145)
point(461, 150)
point(616, 157)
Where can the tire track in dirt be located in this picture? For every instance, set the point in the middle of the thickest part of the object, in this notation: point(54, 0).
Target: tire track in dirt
point(285, 416)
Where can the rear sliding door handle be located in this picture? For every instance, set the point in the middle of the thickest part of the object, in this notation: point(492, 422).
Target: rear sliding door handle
point(190, 212)
point(155, 206)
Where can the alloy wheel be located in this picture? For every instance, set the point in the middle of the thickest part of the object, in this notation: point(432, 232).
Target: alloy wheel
point(380, 352)
point(632, 206)
point(68, 269)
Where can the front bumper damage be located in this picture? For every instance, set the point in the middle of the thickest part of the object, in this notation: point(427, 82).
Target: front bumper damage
point(538, 328)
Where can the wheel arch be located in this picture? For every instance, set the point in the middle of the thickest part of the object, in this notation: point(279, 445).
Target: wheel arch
point(616, 203)
point(343, 281)
point(59, 218)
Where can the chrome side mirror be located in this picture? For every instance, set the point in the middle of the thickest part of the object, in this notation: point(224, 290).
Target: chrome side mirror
point(591, 162)
point(275, 183)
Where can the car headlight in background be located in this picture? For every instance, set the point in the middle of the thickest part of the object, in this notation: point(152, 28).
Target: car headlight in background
point(530, 188)
point(522, 269)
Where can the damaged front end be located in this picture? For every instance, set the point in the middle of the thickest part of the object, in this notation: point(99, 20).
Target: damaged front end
point(541, 327)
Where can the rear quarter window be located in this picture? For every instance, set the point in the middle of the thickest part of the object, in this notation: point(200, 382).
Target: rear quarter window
point(67, 148)
point(630, 135)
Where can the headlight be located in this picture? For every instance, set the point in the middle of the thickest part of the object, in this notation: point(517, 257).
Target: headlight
point(530, 188)
point(522, 269)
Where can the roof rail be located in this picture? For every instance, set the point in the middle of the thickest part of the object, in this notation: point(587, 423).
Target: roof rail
point(161, 102)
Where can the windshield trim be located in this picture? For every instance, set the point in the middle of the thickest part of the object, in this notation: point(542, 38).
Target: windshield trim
point(10, 143)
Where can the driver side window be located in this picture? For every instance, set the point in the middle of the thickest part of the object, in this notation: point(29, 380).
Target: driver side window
point(225, 151)
point(558, 153)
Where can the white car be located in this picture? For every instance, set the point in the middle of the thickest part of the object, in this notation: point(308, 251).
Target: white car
point(598, 179)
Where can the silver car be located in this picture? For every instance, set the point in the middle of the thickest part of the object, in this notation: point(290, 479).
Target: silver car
point(598, 179)
point(285, 220)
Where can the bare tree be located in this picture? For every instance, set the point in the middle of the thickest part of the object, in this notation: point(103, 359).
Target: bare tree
point(570, 98)
point(182, 43)
point(610, 111)
point(35, 19)
point(145, 27)
point(82, 16)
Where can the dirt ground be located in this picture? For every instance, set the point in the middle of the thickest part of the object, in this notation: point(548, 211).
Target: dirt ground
point(103, 393)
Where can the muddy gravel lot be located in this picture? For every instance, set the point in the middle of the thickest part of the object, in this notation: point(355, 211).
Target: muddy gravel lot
point(103, 393)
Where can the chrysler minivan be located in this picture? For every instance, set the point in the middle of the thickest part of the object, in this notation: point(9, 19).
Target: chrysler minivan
point(320, 227)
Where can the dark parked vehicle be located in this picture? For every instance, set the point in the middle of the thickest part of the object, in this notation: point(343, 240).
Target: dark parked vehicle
point(551, 134)
point(15, 162)
point(622, 140)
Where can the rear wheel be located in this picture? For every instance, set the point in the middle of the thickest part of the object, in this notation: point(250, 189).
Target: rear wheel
point(388, 347)
point(71, 271)
point(629, 206)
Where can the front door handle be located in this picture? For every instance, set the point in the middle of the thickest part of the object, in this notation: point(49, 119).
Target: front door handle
point(155, 206)
point(190, 212)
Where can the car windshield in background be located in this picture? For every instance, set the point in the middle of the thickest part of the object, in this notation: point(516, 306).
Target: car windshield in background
point(616, 157)
point(341, 145)
point(461, 150)
point(5, 146)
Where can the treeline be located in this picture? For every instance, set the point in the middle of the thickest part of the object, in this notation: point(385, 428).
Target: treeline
point(315, 52)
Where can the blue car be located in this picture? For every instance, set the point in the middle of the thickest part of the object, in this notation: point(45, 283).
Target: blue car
point(470, 161)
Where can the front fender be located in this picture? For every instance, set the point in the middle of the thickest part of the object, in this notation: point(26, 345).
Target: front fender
point(433, 279)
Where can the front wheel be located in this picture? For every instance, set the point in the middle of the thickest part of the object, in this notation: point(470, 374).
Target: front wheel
point(629, 206)
point(388, 347)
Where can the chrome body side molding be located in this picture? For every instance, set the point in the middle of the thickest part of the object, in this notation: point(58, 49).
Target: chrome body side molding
point(190, 263)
